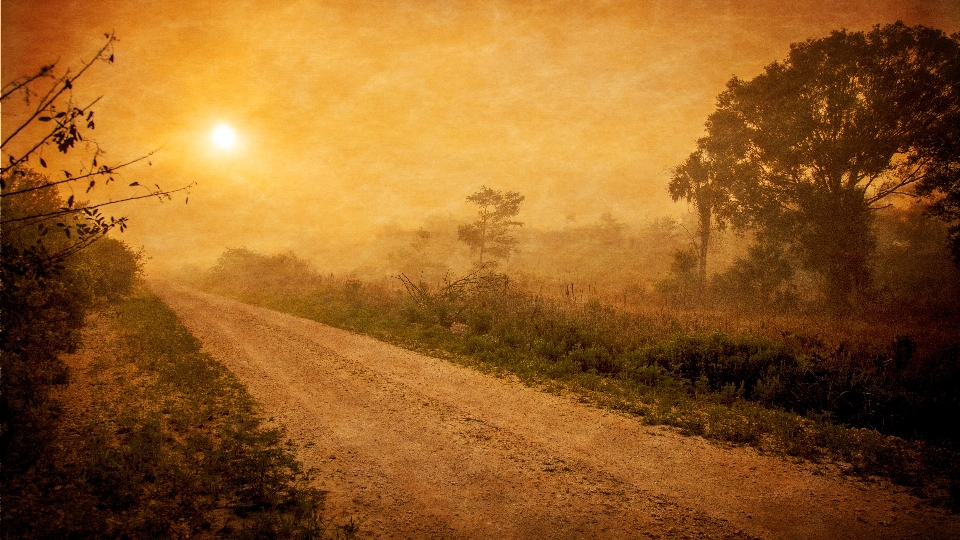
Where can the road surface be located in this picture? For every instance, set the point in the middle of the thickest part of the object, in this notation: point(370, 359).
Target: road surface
point(416, 447)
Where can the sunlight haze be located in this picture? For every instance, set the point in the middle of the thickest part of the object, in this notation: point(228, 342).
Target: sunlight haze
point(224, 137)
point(348, 118)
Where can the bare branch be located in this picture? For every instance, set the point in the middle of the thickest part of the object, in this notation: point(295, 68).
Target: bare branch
point(103, 171)
point(64, 84)
point(67, 211)
point(60, 125)
point(17, 84)
point(894, 188)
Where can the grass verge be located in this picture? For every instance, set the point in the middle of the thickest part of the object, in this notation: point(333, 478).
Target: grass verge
point(678, 379)
point(161, 441)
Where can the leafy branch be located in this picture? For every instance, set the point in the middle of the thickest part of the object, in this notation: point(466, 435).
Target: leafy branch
point(63, 84)
point(80, 223)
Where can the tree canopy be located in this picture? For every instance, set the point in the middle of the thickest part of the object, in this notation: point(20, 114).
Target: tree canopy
point(490, 234)
point(817, 142)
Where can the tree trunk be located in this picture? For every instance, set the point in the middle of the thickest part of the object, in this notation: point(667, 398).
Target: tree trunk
point(837, 240)
point(483, 236)
point(704, 233)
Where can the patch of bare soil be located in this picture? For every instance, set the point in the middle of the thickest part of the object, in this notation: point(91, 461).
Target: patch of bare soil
point(417, 447)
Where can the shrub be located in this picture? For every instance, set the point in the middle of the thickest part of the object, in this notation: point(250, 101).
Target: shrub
point(47, 287)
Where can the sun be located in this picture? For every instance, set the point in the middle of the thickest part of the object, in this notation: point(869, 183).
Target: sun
point(224, 137)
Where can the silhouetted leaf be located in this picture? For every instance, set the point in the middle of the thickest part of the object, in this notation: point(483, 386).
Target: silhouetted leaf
point(134, 184)
point(70, 202)
point(44, 118)
point(92, 183)
point(43, 163)
point(60, 115)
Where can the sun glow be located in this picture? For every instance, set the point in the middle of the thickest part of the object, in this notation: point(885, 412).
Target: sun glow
point(224, 137)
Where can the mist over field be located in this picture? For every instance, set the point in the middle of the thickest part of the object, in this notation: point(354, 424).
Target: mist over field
point(356, 119)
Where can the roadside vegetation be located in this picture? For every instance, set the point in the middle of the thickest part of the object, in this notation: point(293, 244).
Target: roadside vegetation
point(47, 291)
point(811, 308)
point(825, 325)
point(160, 440)
point(167, 444)
point(873, 407)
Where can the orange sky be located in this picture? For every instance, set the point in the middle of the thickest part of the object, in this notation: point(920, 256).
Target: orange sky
point(354, 114)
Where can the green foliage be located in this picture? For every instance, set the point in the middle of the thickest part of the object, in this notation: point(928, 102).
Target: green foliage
point(704, 180)
point(761, 280)
point(833, 132)
point(795, 395)
point(911, 277)
point(912, 273)
point(684, 285)
point(176, 448)
point(110, 268)
point(46, 290)
point(243, 271)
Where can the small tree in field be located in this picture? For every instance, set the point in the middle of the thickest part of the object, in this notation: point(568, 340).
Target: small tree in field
point(490, 234)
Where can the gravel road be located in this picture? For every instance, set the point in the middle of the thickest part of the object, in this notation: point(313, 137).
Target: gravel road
point(416, 447)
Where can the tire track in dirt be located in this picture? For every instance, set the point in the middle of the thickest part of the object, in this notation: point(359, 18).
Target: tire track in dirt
point(417, 447)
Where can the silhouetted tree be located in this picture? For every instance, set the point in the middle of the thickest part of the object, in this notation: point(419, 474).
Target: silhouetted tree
point(835, 131)
point(704, 179)
point(691, 181)
point(491, 233)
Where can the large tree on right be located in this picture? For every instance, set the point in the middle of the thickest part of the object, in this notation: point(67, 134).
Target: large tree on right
point(840, 128)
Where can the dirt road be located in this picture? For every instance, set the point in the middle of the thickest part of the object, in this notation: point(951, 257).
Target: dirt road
point(417, 447)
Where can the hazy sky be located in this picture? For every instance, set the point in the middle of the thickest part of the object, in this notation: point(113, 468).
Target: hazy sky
point(351, 115)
